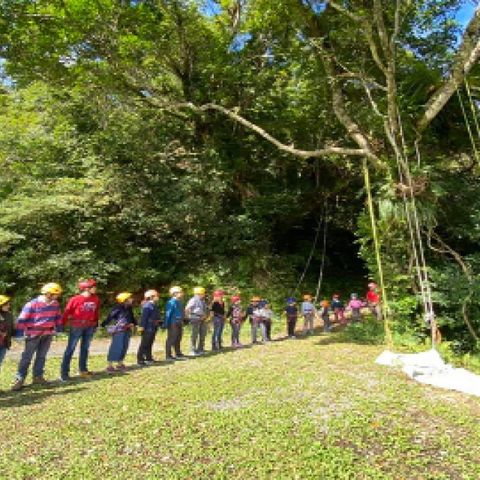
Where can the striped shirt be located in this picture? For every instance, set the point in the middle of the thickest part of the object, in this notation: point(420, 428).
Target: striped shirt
point(40, 317)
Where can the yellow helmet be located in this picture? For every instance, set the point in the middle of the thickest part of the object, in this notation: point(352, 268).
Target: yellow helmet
point(4, 299)
point(199, 291)
point(123, 297)
point(52, 288)
point(175, 290)
point(150, 293)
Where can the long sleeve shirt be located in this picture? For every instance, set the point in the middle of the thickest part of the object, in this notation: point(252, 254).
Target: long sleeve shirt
point(122, 318)
point(40, 317)
point(82, 311)
point(150, 317)
point(174, 312)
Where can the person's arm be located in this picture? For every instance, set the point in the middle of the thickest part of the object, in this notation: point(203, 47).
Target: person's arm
point(68, 312)
point(97, 311)
point(111, 316)
point(169, 311)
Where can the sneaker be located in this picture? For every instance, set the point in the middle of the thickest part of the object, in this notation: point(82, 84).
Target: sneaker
point(149, 362)
point(39, 381)
point(64, 378)
point(110, 370)
point(86, 374)
point(141, 364)
point(121, 367)
point(17, 385)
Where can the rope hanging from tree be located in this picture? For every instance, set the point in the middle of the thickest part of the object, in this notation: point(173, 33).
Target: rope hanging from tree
point(376, 243)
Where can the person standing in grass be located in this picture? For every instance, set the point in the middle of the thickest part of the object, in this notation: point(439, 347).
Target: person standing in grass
point(373, 300)
point(174, 317)
point(218, 311)
point(291, 312)
point(308, 312)
point(337, 307)
point(267, 315)
point(39, 320)
point(149, 322)
point(6, 326)
point(196, 311)
point(121, 322)
point(236, 316)
point(355, 305)
point(82, 311)
point(252, 318)
point(325, 314)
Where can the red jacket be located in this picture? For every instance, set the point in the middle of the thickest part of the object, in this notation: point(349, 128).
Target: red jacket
point(373, 297)
point(82, 311)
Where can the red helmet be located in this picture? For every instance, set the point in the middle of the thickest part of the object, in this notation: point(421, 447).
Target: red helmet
point(235, 298)
point(218, 293)
point(86, 284)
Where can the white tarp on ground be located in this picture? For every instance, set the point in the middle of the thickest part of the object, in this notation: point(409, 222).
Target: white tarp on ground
point(428, 367)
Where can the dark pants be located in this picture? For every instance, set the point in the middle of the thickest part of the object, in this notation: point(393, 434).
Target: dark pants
point(291, 324)
point(268, 328)
point(146, 344)
point(85, 336)
point(39, 347)
point(119, 346)
point(174, 337)
point(218, 324)
point(235, 332)
point(199, 332)
point(326, 322)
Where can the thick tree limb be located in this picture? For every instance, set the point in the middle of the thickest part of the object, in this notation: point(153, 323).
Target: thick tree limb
point(330, 150)
point(467, 56)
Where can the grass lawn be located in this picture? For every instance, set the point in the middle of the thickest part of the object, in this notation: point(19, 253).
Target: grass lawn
point(314, 408)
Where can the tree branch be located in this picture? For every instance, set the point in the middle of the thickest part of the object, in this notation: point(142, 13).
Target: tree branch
point(467, 56)
point(333, 150)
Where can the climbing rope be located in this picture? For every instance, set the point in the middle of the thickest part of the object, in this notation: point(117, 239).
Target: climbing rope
point(376, 243)
point(467, 124)
point(324, 250)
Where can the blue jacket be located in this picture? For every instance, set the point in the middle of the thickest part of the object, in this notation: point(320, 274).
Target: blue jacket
point(150, 317)
point(123, 317)
point(173, 312)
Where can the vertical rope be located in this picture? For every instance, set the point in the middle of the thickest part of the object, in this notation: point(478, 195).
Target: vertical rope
point(467, 124)
point(324, 249)
point(386, 310)
point(472, 107)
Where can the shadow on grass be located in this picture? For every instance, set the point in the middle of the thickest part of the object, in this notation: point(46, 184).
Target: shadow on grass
point(35, 394)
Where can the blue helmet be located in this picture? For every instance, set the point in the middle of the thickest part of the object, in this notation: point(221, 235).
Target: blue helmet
point(262, 303)
point(291, 300)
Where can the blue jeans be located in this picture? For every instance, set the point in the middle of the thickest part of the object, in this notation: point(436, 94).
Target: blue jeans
point(84, 334)
point(39, 347)
point(218, 324)
point(3, 352)
point(119, 346)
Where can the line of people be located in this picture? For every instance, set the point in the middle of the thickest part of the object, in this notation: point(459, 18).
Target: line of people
point(41, 319)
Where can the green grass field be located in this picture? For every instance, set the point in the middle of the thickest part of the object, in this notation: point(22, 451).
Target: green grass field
point(314, 408)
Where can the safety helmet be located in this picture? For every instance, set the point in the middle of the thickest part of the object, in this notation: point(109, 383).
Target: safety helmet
point(4, 299)
point(353, 296)
point(235, 298)
point(255, 299)
point(86, 284)
point(218, 293)
point(123, 297)
point(199, 291)
point(307, 297)
point(372, 285)
point(150, 293)
point(175, 290)
point(336, 295)
point(262, 303)
point(52, 288)
point(291, 300)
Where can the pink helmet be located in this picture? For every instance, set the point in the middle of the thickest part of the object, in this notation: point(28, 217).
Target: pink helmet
point(235, 298)
point(86, 284)
point(218, 293)
point(372, 285)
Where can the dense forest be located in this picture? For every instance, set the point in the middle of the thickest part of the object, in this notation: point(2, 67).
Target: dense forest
point(151, 142)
